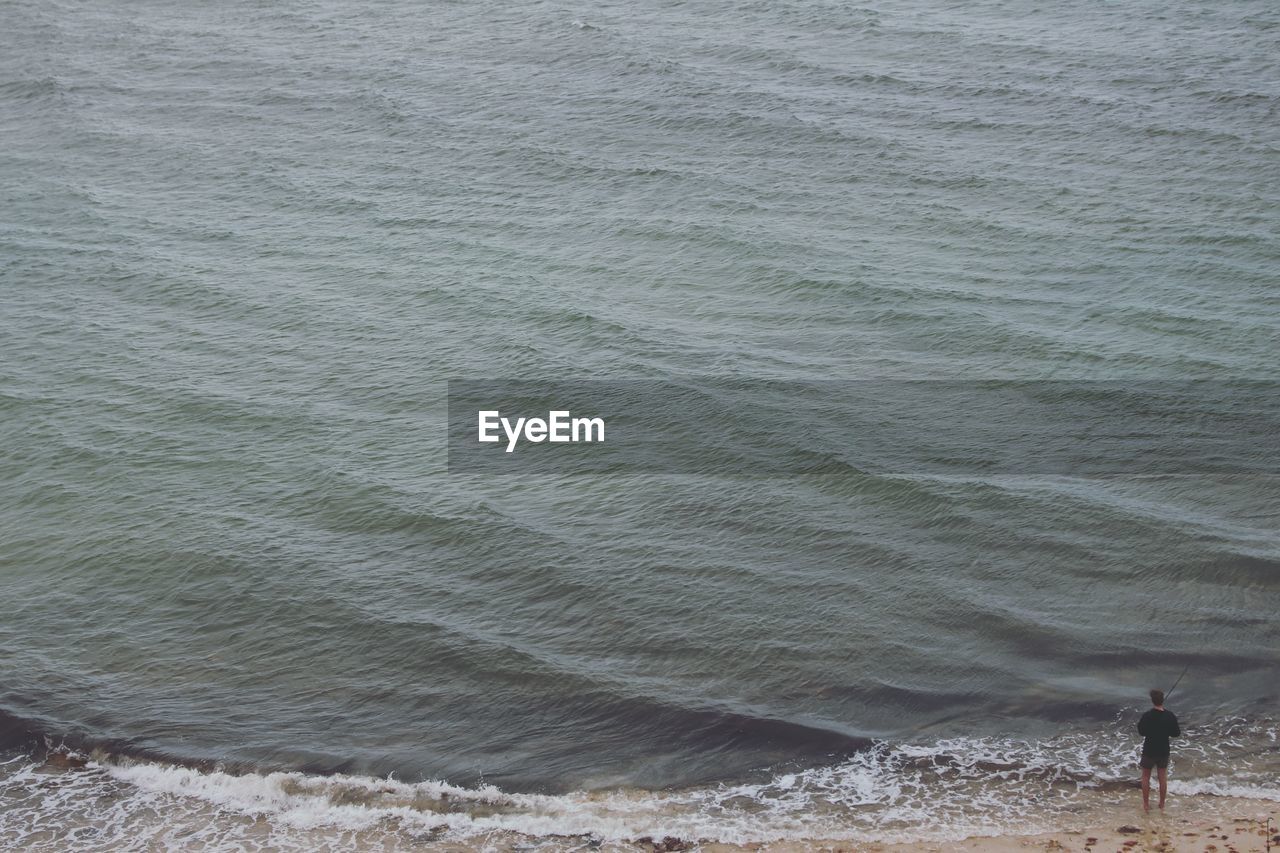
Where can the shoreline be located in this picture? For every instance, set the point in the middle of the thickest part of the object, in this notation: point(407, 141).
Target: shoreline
point(1199, 822)
point(1204, 823)
point(62, 796)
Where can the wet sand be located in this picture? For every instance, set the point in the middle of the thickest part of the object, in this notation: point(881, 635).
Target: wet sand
point(1191, 824)
point(1203, 824)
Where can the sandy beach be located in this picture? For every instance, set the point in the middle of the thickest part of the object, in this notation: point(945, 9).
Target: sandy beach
point(1203, 824)
point(1200, 824)
point(1246, 832)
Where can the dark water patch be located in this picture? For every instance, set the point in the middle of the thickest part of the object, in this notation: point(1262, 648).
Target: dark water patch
point(65, 747)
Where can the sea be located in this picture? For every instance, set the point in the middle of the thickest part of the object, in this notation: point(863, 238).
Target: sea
point(246, 602)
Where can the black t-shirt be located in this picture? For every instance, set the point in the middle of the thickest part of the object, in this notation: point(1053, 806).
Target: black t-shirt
point(1157, 727)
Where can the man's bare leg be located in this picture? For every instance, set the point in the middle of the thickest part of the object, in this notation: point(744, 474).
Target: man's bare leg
point(1146, 789)
point(1163, 774)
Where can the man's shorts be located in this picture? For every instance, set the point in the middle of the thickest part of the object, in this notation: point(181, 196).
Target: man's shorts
point(1149, 761)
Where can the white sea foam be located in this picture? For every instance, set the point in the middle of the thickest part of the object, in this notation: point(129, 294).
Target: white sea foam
point(946, 789)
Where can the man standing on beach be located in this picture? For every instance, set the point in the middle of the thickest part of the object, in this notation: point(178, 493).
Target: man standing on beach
point(1156, 727)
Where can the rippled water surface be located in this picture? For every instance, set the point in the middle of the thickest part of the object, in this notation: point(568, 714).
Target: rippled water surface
point(244, 245)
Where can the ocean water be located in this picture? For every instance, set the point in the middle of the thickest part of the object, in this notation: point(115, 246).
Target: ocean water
point(244, 246)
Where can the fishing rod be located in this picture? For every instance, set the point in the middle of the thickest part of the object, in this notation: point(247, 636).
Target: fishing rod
point(1169, 692)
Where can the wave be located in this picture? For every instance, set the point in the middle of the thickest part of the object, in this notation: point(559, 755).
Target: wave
point(947, 788)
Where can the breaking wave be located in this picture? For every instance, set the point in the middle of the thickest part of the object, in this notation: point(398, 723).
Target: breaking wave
point(949, 788)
